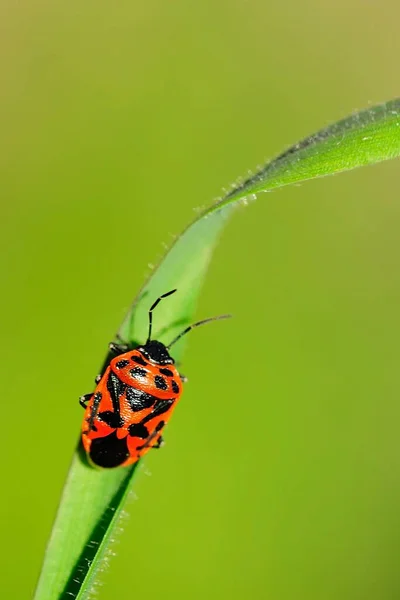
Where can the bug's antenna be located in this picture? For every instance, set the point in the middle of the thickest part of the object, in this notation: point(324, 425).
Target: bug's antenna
point(185, 331)
point(151, 311)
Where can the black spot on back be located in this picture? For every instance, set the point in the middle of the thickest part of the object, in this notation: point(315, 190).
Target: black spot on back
point(116, 388)
point(138, 430)
point(122, 363)
point(139, 400)
point(160, 426)
point(166, 372)
point(138, 372)
point(160, 382)
point(109, 451)
point(139, 360)
point(111, 419)
point(175, 387)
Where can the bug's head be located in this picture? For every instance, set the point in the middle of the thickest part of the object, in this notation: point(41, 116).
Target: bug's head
point(157, 352)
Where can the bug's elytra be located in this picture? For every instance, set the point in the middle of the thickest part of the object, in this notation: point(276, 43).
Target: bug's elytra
point(133, 400)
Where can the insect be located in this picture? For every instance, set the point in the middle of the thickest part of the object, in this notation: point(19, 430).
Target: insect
point(133, 400)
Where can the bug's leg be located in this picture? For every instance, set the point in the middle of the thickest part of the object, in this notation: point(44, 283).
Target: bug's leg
point(147, 441)
point(148, 444)
point(159, 443)
point(93, 412)
point(154, 434)
point(113, 350)
point(83, 400)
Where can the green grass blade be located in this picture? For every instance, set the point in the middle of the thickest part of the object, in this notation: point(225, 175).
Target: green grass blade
point(364, 138)
point(92, 500)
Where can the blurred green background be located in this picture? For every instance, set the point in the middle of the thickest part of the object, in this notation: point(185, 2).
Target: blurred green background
point(281, 474)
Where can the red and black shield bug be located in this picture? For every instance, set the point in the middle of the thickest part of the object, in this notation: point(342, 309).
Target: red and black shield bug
point(133, 400)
